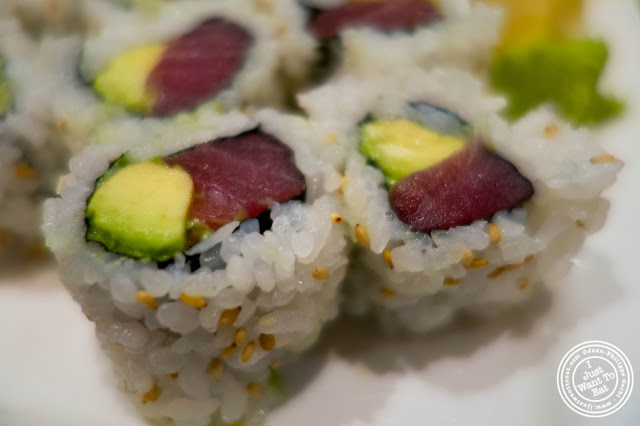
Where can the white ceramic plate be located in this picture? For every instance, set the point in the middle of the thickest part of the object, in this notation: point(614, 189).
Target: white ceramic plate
point(496, 373)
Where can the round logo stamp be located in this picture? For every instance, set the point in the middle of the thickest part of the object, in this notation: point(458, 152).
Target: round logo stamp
point(595, 379)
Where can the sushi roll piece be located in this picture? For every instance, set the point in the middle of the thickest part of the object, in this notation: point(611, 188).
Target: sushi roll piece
point(32, 157)
point(175, 58)
point(206, 256)
point(294, 51)
point(380, 36)
point(184, 55)
point(454, 211)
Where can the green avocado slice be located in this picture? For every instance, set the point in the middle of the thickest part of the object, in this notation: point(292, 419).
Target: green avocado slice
point(402, 147)
point(124, 82)
point(140, 210)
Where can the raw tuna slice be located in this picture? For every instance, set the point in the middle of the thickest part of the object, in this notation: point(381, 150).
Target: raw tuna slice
point(470, 185)
point(383, 15)
point(236, 178)
point(198, 65)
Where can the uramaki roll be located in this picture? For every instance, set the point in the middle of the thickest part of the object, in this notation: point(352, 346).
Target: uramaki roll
point(174, 59)
point(206, 257)
point(456, 211)
point(184, 55)
point(381, 36)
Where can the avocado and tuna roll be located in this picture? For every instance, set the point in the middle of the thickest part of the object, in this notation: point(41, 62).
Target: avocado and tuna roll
point(453, 211)
point(176, 59)
point(380, 36)
point(164, 79)
point(205, 261)
point(224, 54)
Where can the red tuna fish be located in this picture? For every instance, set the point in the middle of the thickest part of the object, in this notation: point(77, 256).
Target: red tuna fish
point(198, 65)
point(235, 178)
point(472, 184)
point(383, 15)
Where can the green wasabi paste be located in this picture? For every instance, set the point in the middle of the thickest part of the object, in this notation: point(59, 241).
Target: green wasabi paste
point(565, 73)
